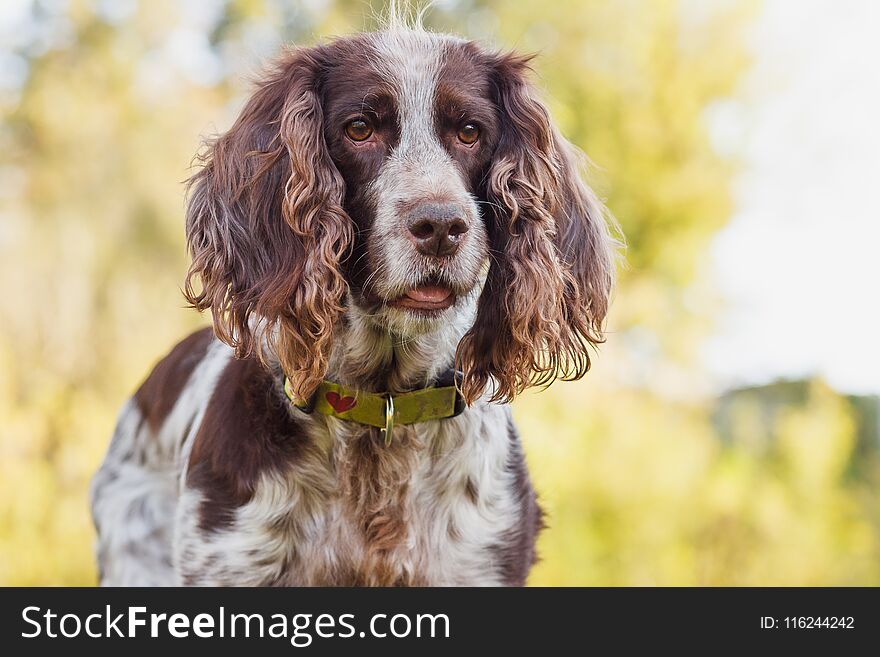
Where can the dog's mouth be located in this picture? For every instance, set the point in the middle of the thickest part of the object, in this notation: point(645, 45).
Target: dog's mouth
point(427, 297)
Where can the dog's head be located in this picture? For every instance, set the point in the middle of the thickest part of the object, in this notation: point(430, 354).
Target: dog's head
point(401, 175)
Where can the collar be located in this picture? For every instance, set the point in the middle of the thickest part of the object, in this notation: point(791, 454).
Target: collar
point(383, 409)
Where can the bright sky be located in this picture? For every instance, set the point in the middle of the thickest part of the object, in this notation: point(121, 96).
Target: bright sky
point(799, 263)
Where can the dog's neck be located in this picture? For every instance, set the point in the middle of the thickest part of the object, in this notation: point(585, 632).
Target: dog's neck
point(370, 357)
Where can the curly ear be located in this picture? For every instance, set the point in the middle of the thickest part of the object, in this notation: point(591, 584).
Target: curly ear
point(552, 271)
point(266, 229)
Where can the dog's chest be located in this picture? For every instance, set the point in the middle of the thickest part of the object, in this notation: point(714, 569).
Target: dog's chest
point(428, 509)
point(433, 508)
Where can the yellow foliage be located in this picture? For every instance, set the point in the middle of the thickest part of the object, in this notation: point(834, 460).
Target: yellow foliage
point(640, 491)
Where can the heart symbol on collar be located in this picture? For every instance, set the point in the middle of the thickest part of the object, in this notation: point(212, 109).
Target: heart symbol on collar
point(340, 404)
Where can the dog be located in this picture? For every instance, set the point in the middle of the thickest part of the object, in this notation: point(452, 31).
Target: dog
point(394, 241)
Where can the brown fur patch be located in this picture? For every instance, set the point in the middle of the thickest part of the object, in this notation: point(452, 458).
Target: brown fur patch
point(247, 431)
point(159, 393)
point(266, 228)
point(376, 479)
point(516, 556)
point(470, 491)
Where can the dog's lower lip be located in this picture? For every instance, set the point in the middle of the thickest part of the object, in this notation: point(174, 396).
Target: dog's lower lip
point(426, 297)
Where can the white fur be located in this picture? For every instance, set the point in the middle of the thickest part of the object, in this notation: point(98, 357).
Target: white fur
point(134, 493)
point(149, 531)
point(418, 167)
point(449, 540)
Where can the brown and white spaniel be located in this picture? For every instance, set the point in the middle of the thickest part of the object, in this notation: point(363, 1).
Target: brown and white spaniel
point(387, 207)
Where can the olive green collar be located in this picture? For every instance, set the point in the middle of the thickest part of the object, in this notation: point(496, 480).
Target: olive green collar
point(383, 410)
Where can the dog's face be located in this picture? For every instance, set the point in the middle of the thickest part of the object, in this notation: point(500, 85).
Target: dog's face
point(400, 175)
point(411, 125)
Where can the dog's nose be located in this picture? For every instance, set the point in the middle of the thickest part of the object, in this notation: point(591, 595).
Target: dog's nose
point(437, 229)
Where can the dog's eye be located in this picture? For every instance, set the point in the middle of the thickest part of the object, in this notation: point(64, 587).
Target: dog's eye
point(468, 133)
point(358, 130)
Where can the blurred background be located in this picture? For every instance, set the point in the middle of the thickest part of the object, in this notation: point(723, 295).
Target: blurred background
point(729, 433)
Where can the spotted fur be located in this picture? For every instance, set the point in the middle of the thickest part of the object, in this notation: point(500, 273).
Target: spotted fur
point(303, 245)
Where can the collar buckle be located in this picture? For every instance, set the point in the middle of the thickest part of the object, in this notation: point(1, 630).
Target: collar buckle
point(389, 420)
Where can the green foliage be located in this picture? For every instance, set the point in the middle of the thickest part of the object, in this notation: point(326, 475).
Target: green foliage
point(638, 485)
